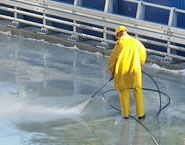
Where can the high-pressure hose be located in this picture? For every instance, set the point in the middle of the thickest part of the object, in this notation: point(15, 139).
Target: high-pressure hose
point(103, 98)
point(160, 109)
point(158, 90)
point(154, 139)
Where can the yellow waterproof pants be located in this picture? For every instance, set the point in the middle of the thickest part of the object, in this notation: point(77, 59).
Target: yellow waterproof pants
point(125, 101)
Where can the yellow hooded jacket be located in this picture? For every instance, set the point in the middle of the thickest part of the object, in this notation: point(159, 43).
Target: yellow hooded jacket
point(125, 62)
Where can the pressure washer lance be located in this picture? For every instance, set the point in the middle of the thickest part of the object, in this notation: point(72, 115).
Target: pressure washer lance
point(101, 87)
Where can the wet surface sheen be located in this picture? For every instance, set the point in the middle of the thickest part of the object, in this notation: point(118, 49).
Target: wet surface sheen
point(43, 88)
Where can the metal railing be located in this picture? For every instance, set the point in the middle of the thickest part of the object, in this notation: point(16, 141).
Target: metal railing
point(168, 39)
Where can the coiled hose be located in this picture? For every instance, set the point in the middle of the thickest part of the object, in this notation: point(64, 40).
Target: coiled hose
point(160, 106)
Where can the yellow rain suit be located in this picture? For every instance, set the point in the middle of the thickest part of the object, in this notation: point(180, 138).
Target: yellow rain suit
point(124, 65)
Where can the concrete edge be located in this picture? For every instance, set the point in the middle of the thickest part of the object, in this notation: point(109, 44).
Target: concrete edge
point(80, 45)
point(53, 39)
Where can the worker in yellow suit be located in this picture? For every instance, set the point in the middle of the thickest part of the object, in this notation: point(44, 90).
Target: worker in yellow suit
point(124, 66)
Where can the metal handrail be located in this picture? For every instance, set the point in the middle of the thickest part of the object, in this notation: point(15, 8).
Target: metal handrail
point(102, 22)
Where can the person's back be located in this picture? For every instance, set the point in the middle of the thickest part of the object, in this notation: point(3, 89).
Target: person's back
point(124, 65)
point(127, 69)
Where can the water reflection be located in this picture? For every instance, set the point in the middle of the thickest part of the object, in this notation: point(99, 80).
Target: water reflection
point(43, 87)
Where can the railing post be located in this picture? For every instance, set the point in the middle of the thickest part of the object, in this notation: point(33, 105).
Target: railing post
point(107, 8)
point(74, 37)
point(140, 14)
point(77, 2)
point(14, 23)
point(172, 21)
point(172, 18)
point(43, 29)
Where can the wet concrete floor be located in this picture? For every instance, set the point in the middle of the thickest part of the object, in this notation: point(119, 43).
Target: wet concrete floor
point(43, 88)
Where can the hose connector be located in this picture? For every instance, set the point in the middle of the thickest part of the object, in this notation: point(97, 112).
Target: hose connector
point(111, 78)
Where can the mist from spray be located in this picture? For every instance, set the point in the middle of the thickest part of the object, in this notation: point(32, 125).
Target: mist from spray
point(80, 107)
point(39, 111)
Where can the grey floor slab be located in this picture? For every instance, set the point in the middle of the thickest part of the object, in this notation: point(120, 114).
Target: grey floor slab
point(43, 89)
